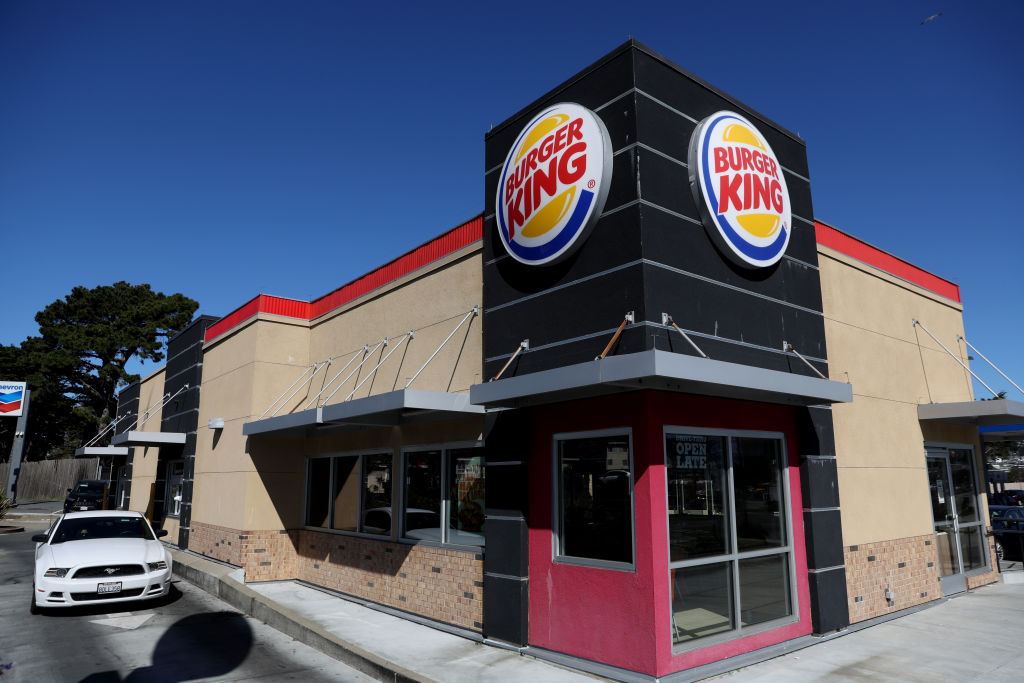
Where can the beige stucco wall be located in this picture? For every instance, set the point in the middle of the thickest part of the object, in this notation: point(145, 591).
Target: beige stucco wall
point(151, 393)
point(893, 366)
point(259, 483)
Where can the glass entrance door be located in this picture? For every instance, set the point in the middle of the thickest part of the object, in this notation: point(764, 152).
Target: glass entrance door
point(959, 529)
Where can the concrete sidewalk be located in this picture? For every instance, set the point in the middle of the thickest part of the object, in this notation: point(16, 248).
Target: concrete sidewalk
point(972, 637)
point(387, 647)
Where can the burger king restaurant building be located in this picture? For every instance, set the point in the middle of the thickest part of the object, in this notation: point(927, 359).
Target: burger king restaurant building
point(643, 415)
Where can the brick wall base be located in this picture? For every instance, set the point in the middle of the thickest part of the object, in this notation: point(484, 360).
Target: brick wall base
point(906, 566)
point(437, 583)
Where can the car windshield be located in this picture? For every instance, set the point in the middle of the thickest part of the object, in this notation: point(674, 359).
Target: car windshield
point(89, 487)
point(87, 528)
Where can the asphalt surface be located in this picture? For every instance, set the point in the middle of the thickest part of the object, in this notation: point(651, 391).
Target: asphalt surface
point(975, 636)
point(190, 636)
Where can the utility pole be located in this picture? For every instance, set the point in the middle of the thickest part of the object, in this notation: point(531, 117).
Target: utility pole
point(17, 448)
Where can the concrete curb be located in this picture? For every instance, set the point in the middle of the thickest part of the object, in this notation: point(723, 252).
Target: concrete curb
point(224, 583)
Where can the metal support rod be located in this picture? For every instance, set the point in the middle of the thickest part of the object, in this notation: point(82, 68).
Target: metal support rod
point(786, 346)
point(666, 319)
point(615, 337)
point(112, 425)
point(383, 360)
point(369, 354)
point(523, 346)
point(474, 312)
point(152, 411)
point(366, 350)
point(315, 367)
point(916, 323)
point(973, 348)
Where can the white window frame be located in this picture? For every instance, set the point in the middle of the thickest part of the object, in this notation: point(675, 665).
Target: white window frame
point(734, 556)
point(558, 557)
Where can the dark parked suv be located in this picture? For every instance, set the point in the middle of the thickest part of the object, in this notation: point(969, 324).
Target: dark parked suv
point(87, 495)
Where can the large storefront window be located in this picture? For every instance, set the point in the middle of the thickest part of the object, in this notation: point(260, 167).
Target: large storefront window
point(594, 494)
point(730, 553)
point(444, 495)
point(339, 488)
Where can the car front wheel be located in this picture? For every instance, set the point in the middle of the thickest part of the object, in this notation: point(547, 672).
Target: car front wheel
point(33, 608)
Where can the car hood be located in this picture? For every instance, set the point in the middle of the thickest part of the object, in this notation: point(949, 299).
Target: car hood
point(105, 551)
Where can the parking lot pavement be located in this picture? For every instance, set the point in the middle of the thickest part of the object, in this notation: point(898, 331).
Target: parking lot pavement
point(189, 636)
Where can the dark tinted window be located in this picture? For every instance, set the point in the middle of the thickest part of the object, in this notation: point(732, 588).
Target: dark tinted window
point(91, 528)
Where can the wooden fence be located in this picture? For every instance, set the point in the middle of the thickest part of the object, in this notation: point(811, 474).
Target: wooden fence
point(50, 479)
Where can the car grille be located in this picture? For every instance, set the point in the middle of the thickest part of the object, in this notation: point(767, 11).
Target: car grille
point(85, 597)
point(103, 571)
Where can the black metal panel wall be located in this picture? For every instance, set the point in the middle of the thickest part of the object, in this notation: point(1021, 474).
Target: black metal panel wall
point(823, 532)
point(182, 378)
point(649, 252)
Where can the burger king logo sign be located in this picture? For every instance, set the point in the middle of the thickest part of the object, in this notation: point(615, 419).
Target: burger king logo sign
point(740, 190)
point(553, 184)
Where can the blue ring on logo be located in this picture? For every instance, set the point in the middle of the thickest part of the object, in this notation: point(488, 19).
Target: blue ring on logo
point(576, 221)
point(765, 253)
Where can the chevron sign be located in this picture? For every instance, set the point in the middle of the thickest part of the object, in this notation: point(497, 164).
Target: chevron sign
point(11, 395)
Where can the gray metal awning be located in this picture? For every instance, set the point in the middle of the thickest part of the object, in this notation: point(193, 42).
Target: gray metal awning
point(100, 451)
point(997, 412)
point(134, 438)
point(405, 406)
point(664, 371)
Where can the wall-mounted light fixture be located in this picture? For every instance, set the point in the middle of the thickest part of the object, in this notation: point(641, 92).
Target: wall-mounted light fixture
point(216, 423)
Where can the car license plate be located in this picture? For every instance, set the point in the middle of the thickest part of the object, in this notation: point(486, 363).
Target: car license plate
point(111, 587)
point(83, 508)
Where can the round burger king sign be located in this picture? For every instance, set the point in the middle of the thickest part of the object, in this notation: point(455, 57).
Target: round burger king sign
point(740, 190)
point(553, 184)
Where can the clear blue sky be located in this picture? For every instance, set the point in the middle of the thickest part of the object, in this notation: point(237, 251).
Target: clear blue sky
point(226, 148)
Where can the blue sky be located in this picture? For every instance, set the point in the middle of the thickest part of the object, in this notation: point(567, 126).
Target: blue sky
point(226, 148)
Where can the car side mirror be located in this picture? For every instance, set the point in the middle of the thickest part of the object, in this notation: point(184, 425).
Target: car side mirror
point(39, 538)
point(160, 533)
point(69, 490)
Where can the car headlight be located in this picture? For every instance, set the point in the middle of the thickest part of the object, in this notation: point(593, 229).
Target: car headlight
point(157, 566)
point(59, 573)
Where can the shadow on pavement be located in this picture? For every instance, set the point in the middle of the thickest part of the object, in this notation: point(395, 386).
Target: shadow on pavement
point(197, 646)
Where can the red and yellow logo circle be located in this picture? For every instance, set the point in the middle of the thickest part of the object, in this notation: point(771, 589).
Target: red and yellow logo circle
point(740, 190)
point(553, 184)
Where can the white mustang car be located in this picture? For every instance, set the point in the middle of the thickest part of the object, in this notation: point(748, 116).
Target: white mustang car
point(97, 557)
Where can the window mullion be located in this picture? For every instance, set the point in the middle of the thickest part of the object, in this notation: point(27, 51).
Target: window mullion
point(330, 494)
point(444, 495)
point(733, 535)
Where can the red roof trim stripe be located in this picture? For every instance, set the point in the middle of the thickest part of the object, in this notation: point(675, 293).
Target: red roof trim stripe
point(830, 237)
point(437, 248)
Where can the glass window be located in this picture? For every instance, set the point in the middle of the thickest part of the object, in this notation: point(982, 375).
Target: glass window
point(318, 498)
point(729, 547)
point(697, 522)
point(444, 484)
point(377, 494)
point(175, 476)
point(466, 496)
point(346, 493)
point(594, 490)
point(701, 601)
point(423, 495)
